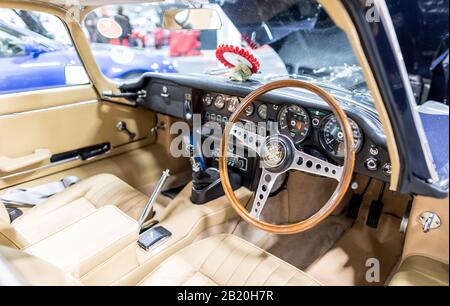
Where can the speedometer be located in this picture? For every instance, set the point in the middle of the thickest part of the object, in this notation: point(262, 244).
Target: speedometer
point(332, 137)
point(294, 121)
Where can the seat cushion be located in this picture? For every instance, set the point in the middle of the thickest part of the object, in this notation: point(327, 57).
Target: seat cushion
point(76, 203)
point(31, 270)
point(87, 244)
point(225, 260)
point(421, 271)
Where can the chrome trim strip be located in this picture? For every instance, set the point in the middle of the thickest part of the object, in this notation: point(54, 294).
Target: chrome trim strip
point(38, 168)
point(49, 108)
point(392, 35)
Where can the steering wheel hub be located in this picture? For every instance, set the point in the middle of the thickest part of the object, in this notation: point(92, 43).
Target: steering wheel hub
point(275, 154)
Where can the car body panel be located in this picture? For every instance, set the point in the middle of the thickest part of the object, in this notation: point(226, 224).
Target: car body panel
point(24, 72)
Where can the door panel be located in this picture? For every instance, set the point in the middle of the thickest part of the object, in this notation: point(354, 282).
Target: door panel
point(62, 128)
point(70, 127)
point(40, 99)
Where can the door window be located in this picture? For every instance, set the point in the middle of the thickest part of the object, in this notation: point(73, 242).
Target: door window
point(36, 52)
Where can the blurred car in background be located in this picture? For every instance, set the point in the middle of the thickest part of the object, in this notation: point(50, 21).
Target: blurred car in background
point(22, 51)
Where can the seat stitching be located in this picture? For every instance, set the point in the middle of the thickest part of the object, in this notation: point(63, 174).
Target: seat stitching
point(292, 276)
point(237, 266)
point(16, 244)
point(127, 208)
point(271, 273)
point(107, 199)
point(177, 253)
point(129, 195)
point(104, 189)
point(225, 259)
point(115, 195)
point(60, 230)
point(427, 276)
point(96, 194)
point(213, 250)
point(254, 269)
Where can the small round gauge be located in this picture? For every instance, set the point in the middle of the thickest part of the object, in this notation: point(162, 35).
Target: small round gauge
point(249, 110)
point(294, 121)
point(207, 99)
point(332, 137)
point(262, 111)
point(233, 103)
point(219, 102)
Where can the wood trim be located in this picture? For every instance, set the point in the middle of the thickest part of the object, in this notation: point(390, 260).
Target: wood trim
point(342, 187)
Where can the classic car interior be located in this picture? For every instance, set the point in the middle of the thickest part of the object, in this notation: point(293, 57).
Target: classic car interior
point(282, 181)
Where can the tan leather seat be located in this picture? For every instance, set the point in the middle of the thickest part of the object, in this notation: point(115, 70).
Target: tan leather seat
point(226, 260)
point(68, 207)
point(217, 260)
point(421, 271)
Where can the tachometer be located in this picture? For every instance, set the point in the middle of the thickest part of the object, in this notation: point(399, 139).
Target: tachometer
point(332, 137)
point(294, 121)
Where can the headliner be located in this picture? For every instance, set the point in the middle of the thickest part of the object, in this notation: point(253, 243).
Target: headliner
point(71, 3)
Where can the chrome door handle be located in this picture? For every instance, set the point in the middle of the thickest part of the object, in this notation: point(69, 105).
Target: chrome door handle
point(122, 127)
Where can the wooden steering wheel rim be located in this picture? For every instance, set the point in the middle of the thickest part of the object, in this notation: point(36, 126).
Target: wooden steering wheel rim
point(344, 182)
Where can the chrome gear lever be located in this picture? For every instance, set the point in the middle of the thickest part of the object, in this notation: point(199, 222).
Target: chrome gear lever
point(151, 201)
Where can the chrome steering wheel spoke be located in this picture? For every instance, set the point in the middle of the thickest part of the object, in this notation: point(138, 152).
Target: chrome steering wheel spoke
point(249, 139)
point(307, 163)
point(265, 185)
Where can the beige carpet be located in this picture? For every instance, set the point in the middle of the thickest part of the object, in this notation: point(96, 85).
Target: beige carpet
point(349, 260)
point(334, 252)
point(304, 196)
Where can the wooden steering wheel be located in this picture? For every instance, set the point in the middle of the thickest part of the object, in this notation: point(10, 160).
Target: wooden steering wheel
point(278, 154)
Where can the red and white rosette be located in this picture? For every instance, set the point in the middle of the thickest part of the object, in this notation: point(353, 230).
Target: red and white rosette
point(231, 56)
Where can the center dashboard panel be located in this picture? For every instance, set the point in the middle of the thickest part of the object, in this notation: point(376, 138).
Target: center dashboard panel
point(309, 123)
point(315, 131)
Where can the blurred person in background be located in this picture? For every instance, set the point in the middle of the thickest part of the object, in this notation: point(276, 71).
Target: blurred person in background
point(124, 22)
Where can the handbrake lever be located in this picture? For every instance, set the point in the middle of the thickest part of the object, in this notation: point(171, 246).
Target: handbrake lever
point(151, 201)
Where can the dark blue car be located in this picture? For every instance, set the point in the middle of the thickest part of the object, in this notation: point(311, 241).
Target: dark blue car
point(30, 61)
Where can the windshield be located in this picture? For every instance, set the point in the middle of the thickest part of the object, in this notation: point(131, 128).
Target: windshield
point(290, 38)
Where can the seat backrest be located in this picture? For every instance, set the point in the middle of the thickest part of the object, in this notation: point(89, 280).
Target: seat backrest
point(9, 237)
point(30, 270)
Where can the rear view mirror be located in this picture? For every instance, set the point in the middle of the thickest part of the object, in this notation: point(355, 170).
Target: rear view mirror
point(192, 19)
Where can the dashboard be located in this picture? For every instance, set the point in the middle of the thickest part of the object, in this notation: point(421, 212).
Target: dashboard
point(297, 114)
point(307, 127)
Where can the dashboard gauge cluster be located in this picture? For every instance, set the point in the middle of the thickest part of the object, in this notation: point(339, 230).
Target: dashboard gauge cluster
point(310, 126)
point(294, 122)
point(229, 104)
point(313, 128)
point(332, 137)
